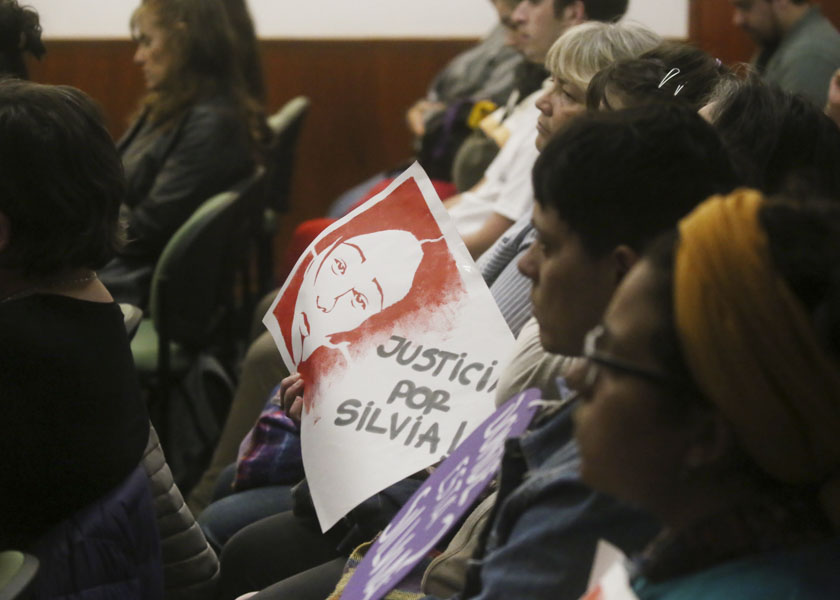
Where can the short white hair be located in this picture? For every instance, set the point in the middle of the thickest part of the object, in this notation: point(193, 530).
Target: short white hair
point(585, 49)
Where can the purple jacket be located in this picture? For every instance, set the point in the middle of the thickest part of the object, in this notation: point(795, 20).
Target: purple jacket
point(107, 550)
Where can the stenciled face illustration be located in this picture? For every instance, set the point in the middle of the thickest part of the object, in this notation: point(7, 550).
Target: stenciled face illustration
point(348, 283)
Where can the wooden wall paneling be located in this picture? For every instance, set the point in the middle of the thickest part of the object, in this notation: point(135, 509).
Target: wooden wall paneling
point(359, 90)
point(102, 68)
point(831, 9)
point(710, 27)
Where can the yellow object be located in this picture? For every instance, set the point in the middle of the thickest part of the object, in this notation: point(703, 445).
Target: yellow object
point(355, 558)
point(479, 111)
point(751, 346)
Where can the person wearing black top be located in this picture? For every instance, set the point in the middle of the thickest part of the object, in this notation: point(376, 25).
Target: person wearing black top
point(73, 425)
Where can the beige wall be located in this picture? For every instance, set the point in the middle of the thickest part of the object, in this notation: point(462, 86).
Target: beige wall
point(326, 19)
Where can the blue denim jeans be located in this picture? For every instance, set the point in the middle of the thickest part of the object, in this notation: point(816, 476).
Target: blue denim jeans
point(231, 511)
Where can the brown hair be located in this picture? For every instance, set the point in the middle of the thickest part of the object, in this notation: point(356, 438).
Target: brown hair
point(204, 61)
point(61, 179)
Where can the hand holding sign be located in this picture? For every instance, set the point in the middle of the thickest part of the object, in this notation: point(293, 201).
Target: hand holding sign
point(291, 392)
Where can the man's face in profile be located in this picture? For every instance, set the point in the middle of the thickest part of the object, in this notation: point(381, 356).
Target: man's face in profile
point(537, 27)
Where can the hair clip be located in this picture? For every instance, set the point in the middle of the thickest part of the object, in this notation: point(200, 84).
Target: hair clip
point(668, 77)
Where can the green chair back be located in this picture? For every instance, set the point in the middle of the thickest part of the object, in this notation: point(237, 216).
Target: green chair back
point(193, 280)
point(285, 126)
point(17, 572)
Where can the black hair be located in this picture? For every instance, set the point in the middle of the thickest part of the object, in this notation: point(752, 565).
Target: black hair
point(623, 177)
point(61, 179)
point(246, 46)
point(804, 240)
point(780, 143)
point(20, 34)
point(596, 10)
point(672, 72)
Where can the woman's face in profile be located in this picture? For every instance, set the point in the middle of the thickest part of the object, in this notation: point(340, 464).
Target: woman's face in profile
point(151, 53)
point(630, 447)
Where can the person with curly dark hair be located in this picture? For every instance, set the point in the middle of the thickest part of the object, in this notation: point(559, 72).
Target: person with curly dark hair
point(20, 34)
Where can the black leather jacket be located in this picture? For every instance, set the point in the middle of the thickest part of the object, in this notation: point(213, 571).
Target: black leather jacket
point(171, 171)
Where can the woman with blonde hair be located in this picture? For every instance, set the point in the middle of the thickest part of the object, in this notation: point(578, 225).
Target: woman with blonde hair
point(199, 130)
point(712, 400)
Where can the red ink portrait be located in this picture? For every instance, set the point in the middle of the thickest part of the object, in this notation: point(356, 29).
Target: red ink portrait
point(387, 270)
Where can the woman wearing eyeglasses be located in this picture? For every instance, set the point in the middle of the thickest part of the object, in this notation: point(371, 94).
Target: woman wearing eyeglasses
point(712, 399)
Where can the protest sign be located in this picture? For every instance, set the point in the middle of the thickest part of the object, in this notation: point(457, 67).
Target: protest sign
point(440, 501)
point(397, 338)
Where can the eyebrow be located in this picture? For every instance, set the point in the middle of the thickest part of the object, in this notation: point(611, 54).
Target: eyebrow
point(381, 295)
point(357, 249)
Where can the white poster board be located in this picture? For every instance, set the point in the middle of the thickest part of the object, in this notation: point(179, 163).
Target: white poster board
point(398, 341)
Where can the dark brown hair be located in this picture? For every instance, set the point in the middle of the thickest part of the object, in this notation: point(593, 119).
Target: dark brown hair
point(205, 60)
point(20, 34)
point(61, 179)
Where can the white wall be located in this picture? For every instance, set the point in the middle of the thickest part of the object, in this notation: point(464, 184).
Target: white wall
point(337, 18)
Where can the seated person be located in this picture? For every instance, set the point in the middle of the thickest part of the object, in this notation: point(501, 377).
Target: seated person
point(779, 142)
point(504, 195)
point(74, 424)
point(712, 400)
point(198, 132)
point(485, 72)
point(659, 76)
point(673, 72)
point(832, 108)
point(21, 35)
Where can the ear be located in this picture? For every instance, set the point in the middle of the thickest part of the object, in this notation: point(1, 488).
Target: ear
point(712, 441)
point(623, 258)
point(574, 13)
point(5, 231)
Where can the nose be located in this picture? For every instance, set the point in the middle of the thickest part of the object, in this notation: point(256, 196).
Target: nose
point(738, 18)
point(333, 302)
point(139, 55)
point(527, 264)
point(544, 104)
point(519, 14)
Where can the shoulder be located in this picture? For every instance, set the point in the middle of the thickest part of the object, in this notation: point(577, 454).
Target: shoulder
point(804, 574)
point(816, 39)
point(217, 110)
point(40, 312)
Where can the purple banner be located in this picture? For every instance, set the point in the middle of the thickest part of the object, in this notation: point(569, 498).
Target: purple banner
point(440, 501)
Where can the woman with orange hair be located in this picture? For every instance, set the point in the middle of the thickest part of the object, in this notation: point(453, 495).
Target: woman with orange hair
point(712, 399)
